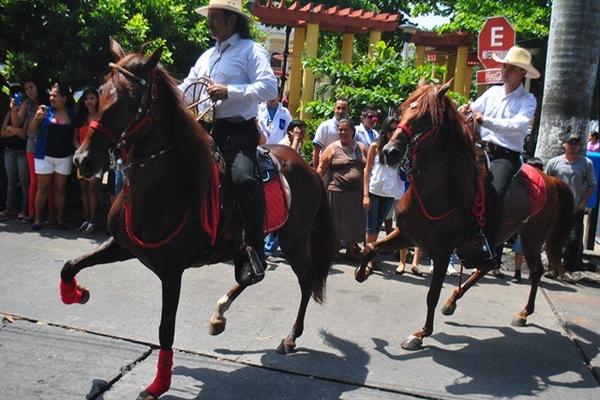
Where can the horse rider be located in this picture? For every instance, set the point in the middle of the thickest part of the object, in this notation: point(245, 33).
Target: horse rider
point(504, 114)
point(240, 78)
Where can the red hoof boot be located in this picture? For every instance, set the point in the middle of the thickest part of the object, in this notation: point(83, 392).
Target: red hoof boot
point(71, 293)
point(162, 381)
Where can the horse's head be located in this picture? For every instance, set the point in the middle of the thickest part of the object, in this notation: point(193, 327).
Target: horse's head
point(126, 106)
point(419, 119)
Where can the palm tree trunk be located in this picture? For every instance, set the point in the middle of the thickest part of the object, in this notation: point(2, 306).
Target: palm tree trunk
point(571, 68)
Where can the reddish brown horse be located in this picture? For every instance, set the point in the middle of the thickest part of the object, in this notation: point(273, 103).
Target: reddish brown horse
point(441, 209)
point(156, 218)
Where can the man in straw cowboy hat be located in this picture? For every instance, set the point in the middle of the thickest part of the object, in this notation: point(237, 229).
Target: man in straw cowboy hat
point(241, 78)
point(504, 114)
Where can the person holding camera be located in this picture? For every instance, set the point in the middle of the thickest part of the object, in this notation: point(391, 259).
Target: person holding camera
point(15, 160)
point(53, 151)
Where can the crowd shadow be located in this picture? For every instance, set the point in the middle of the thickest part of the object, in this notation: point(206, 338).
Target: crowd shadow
point(517, 363)
point(15, 226)
point(293, 376)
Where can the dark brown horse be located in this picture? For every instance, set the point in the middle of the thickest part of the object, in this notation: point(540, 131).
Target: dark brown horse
point(443, 207)
point(156, 217)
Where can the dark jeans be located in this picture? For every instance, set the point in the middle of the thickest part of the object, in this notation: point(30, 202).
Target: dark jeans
point(503, 167)
point(574, 248)
point(237, 142)
point(15, 163)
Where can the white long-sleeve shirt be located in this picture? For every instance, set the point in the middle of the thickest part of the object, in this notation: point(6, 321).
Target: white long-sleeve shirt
point(242, 65)
point(506, 116)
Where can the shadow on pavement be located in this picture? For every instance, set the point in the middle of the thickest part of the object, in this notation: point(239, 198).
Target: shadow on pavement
point(299, 384)
point(496, 366)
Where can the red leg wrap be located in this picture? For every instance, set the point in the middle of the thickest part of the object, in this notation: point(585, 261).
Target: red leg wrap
point(162, 381)
point(69, 293)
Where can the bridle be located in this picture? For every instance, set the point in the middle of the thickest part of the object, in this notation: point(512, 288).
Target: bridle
point(143, 118)
point(409, 161)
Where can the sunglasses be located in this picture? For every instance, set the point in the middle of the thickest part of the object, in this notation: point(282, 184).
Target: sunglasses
point(573, 142)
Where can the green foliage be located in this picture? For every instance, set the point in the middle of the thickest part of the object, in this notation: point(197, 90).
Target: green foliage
point(383, 81)
point(67, 40)
point(530, 18)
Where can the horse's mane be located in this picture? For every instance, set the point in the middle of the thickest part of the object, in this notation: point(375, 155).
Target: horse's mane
point(189, 139)
point(463, 169)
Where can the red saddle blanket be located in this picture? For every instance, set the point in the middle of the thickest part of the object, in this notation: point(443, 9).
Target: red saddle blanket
point(536, 187)
point(277, 202)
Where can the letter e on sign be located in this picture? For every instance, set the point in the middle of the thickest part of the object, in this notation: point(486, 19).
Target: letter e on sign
point(496, 37)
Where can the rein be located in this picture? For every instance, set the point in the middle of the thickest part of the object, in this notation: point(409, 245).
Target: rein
point(142, 120)
point(412, 149)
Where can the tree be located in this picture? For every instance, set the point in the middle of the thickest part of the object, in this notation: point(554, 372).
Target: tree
point(571, 69)
point(67, 39)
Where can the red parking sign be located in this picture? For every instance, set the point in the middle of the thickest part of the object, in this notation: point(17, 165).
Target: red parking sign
point(496, 37)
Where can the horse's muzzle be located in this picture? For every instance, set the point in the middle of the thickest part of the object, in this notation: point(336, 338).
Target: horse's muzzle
point(392, 154)
point(83, 163)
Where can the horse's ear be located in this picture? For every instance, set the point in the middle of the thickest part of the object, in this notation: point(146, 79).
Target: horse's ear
point(422, 82)
point(116, 49)
point(153, 59)
point(444, 89)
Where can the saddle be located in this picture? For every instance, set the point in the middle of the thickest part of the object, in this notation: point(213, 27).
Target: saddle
point(215, 215)
point(525, 197)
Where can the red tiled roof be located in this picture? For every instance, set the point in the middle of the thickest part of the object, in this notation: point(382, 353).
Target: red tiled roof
point(334, 19)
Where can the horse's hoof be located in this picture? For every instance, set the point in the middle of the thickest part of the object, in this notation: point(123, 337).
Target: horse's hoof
point(412, 343)
point(361, 274)
point(216, 327)
point(85, 295)
point(146, 396)
point(448, 308)
point(286, 347)
point(519, 321)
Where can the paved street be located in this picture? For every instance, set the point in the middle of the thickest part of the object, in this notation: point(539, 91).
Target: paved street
point(106, 349)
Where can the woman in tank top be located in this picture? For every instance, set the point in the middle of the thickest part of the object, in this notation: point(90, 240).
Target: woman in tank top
point(54, 151)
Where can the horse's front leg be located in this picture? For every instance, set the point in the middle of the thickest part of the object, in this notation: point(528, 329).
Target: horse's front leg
point(392, 241)
point(171, 289)
point(108, 252)
point(415, 340)
point(450, 305)
point(217, 321)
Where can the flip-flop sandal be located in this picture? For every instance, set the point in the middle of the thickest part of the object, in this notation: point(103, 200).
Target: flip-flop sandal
point(415, 271)
point(400, 271)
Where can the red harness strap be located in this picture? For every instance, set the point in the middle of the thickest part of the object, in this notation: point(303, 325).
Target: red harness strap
point(137, 241)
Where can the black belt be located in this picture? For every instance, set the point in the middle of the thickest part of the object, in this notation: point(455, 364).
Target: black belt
point(499, 150)
point(233, 120)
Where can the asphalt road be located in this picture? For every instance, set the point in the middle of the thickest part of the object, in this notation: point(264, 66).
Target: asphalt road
point(106, 349)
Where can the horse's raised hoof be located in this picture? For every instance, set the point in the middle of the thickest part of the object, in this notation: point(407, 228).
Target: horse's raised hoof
point(361, 274)
point(216, 326)
point(448, 308)
point(412, 343)
point(519, 321)
point(146, 396)
point(286, 346)
point(85, 295)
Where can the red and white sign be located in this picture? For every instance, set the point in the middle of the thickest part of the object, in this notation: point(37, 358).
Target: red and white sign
point(496, 37)
point(489, 76)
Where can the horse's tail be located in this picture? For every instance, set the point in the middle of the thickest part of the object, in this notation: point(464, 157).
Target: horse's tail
point(323, 245)
point(560, 232)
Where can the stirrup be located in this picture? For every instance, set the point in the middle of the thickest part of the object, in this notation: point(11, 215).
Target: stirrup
point(249, 268)
point(477, 253)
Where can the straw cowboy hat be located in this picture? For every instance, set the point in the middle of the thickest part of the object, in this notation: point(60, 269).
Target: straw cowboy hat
point(519, 57)
point(229, 5)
